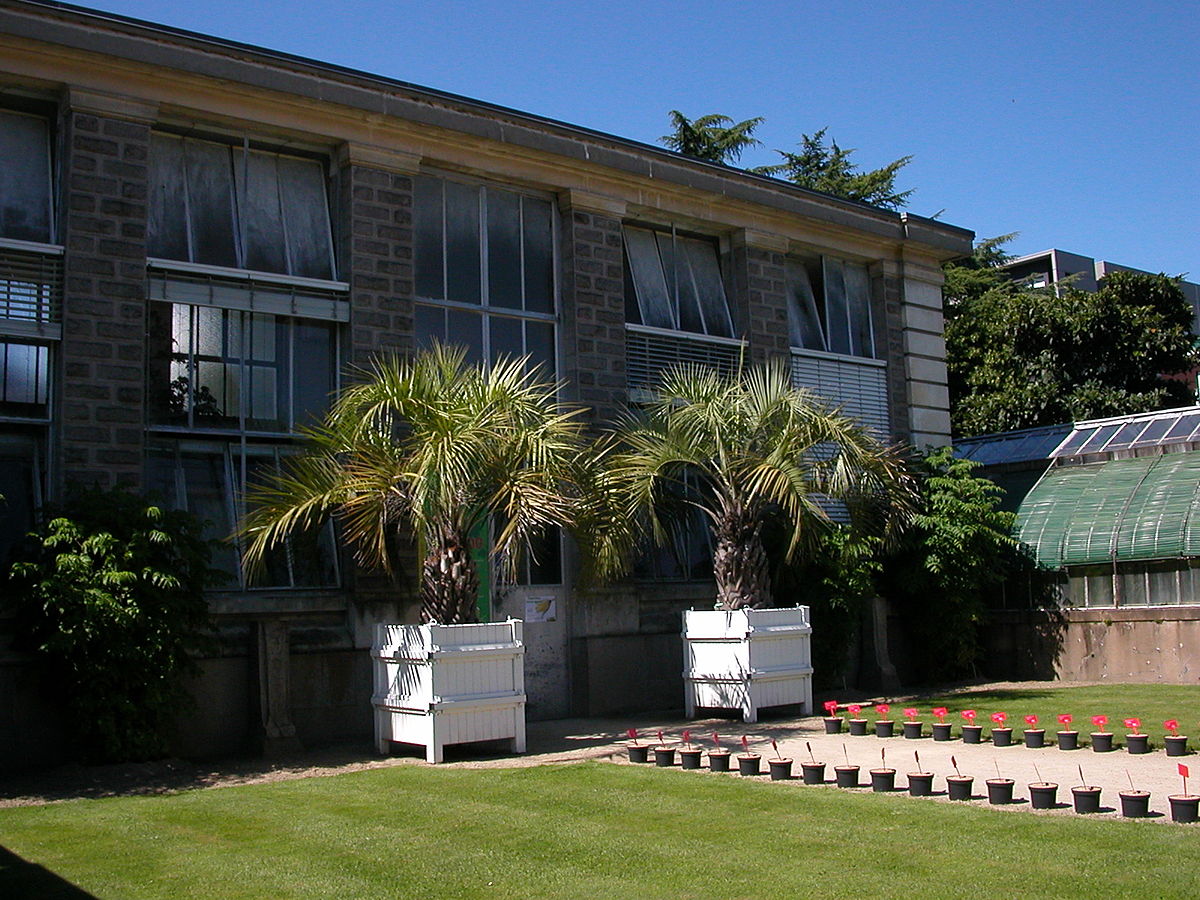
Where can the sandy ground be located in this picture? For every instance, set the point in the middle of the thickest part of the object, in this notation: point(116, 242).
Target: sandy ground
point(576, 740)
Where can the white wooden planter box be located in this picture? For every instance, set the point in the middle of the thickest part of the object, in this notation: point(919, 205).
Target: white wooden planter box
point(747, 659)
point(449, 684)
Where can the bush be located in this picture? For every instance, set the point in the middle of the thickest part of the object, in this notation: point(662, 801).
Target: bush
point(108, 594)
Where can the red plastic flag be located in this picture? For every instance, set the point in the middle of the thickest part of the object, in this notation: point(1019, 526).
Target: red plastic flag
point(1099, 721)
point(940, 712)
point(854, 709)
point(831, 707)
point(911, 712)
point(632, 732)
point(687, 737)
point(969, 715)
point(1133, 723)
point(883, 709)
point(1031, 720)
point(745, 744)
point(1183, 770)
point(1172, 725)
point(717, 740)
point(999, 717)
point(1065, 719)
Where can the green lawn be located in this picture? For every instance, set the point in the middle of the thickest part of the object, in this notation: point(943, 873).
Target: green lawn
point(590, 830)
point(1152, 703)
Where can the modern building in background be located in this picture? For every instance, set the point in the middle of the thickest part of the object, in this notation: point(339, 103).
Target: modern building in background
point(198, 239)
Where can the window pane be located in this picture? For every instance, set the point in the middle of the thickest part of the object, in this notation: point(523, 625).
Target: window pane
point(466, 329)
point(539, 255)
point(837, 315)
point(428, 238)
point(681, 286)
point(1133, 585)
point(654, 302)
point(506, 338)
point(24, 380)
point(210, 203)
point(539, 344)
point(315, 364)
point(462, 243)
point(167, 377)
point(259, 211)
point(504, 249)
point(429, 325)
point(209, 496)
point(1100, 588)
point(306, 214)
point(804, 322)
point(166, 224)
point(1163, 587)
point(20, 490)
point(24, 178)
point(710, 290)
point(858, 299)
point(544, 562)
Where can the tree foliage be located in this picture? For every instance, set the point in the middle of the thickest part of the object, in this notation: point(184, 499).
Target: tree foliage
point(108, 594)
point(714, 137)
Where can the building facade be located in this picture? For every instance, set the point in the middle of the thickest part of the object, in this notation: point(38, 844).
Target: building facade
point(199, 240)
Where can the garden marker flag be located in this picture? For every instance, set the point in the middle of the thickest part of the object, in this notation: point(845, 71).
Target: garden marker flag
point(1183, 770)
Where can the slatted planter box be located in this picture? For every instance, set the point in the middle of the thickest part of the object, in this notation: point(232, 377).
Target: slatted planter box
point(437, 685)
point(747, 659)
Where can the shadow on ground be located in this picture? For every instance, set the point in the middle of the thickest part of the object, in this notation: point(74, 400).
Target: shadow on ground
point(20, 879)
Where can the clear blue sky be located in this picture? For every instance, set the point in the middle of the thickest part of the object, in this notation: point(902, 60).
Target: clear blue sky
point(1075, 124)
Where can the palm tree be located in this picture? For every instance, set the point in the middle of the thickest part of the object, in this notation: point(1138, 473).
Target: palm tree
point(714, 137)
point(758, 449)
point(437, 449)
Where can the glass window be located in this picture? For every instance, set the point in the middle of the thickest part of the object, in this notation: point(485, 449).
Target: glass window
point(236, 207)
point(25, 207)
point(24, 380)
point(20, 489)
point(829, 306)
point(676, 283)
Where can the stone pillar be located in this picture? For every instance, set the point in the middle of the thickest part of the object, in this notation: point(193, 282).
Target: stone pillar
point(592, 313)
point(375, 248)
point(278, 735)
point(105, 153)
point(887, 316)
point(927, 392)
point(759, 301)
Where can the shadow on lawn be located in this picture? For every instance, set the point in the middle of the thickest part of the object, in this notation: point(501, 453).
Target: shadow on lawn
point(21, 878)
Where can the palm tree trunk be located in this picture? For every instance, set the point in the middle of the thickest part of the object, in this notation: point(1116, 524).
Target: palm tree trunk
point(449, 583)
point(740, 562)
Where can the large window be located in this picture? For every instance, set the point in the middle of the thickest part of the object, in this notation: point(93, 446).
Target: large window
point(26, 210)
point(829, 306)
point(238, 207)
point(485, 274)
point(674, 283)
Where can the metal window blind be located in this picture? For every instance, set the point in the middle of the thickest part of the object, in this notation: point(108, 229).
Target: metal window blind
point(251, 296)
point(649, 355)
point(30, 293)
point(858, 387)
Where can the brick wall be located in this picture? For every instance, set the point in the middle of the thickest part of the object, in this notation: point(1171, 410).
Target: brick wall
point(759, 301)
point(104, 308)
point(888, 316)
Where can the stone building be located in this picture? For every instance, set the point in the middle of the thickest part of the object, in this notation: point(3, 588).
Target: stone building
point(198, 238)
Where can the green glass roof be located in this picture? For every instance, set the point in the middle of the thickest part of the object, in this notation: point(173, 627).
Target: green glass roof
point(1123, 509)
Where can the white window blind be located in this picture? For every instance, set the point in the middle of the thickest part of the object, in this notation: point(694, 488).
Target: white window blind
point(858, 386)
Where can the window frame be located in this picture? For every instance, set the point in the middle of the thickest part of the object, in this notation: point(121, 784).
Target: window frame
point(635, 286)
point(821, 306)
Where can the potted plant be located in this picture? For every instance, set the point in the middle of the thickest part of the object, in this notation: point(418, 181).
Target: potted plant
point(1000, 789)
point(1102, 741)
point(958, 785)
point(638, 752)
point(1067, 739)
point(971, 733)
point(781, 768)
point(941, 728)
point(1175, 742)
point(1184, 806)
point(920, 784)
point(664, 754)
point(689, 756)
point(718, 757)
point(748, 763)
point(1034, 737)
point(912, 728)
point(883, 779)
point(884, 727)
point(858, 726)
point(846, 775)
point(833, 722)
point(1135, 804)
point(812, 771)
point(1042, 794)
point(1087, 796)
point(1135, 740)
point(1001, 733)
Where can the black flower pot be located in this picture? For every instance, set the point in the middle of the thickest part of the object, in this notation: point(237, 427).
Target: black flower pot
point(748, 764)
point(959, 786)
point(972, 734)
point(858, 727)
point(1184, 807)
point(1135, 804)
point(1000, 791)
point(883, 781)
point(781, 769)
point(1068, 740)
point(1001, 737)
point(1102, 741)
point(913, 730)
point(847, 776)
point(718, 760)
point(1137, 743)
point(1176, 744)
point(941, 731)
point(664, 757)
point(639, 753)
point(1043, 795)
point(1087, 799)
point(1035, 738)
point(813, 772)
point(833, 725)
point(885, 728)
point(690, 759)
point(920, 784)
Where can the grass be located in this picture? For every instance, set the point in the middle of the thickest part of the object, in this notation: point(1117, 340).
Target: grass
point(592, 830)
point(1152, 703)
